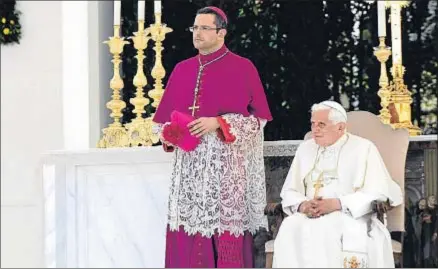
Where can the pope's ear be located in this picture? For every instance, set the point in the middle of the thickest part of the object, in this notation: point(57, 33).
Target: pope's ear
point(342, 126)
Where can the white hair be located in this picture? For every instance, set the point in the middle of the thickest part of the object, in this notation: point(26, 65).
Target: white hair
point(335, 116)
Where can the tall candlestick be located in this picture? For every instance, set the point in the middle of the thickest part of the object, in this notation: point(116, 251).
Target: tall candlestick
point(382, 52)
point(141, 10)
point(157, 6)
point(381, 15)
point(117, 12)
point(115, 135)
point(396, 34)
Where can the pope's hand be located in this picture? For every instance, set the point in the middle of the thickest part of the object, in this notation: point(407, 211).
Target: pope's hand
point(326, 206)
point(308, 209)
point(202, 126)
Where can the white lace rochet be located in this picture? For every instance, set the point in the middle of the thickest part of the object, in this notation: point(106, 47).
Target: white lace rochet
point(221, 187)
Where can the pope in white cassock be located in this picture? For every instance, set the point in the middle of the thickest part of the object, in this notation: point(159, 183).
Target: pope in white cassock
point(328, 195)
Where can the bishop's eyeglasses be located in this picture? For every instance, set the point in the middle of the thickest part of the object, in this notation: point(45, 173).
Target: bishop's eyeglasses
point(202, 28)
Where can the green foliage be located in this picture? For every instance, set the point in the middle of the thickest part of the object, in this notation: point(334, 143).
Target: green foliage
point(10, 28)
point(306, 52)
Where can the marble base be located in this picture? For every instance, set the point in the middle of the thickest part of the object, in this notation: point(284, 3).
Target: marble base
point(106, 208)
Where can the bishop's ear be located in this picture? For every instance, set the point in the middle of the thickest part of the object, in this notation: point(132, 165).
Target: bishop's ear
point(222, 33)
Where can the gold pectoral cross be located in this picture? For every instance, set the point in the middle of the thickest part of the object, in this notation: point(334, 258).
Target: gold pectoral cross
point(317, 186)
point(193, 108)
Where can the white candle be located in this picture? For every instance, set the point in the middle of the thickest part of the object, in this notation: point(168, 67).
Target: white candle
point(396, 34)
point(157, 6)
point(117, 12)
point(141, 9)
point(381, 15)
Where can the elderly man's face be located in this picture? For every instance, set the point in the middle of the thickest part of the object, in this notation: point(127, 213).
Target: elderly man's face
point(324, 131)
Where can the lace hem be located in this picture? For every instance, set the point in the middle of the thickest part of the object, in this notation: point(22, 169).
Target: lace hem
point(233, 230)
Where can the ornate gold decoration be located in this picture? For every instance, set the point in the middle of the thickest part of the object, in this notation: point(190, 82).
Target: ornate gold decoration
point(138, 128)
point(353, 262)
point(382, 53)
point(401, 100)
point(115, 134)
point(395, 98)
point(158, 33)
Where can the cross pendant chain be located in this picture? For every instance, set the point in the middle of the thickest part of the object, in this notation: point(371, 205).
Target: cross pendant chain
point(196, 107)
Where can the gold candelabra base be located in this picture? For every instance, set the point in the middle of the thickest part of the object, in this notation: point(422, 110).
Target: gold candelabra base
point(412, 129)
point(113, 137)
point(140, 133)
point(401, 101)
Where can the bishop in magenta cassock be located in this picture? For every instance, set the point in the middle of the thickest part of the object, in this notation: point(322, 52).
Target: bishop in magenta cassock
point(218, 192)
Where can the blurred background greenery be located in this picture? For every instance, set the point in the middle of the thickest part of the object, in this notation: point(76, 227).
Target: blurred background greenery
point(305, 52)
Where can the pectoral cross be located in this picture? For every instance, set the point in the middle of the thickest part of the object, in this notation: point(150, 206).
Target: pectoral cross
point(317, 186)
point(194, 106)
point(195, 97)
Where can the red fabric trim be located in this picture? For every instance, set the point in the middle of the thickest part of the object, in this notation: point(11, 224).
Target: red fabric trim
point(167, 148)
point(223, 132)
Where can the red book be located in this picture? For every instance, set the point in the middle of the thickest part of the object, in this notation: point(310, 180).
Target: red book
point(177, 132)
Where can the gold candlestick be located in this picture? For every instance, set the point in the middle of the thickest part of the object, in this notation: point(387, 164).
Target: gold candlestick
point(158, 32)
point(382, 53)
point(138, 129)
point(400, 95)
point(115, 135)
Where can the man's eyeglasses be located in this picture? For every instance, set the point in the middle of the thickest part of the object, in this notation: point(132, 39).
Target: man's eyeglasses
point(202, 28)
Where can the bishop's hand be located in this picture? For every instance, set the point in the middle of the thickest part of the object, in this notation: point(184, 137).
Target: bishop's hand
point(202, 126)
